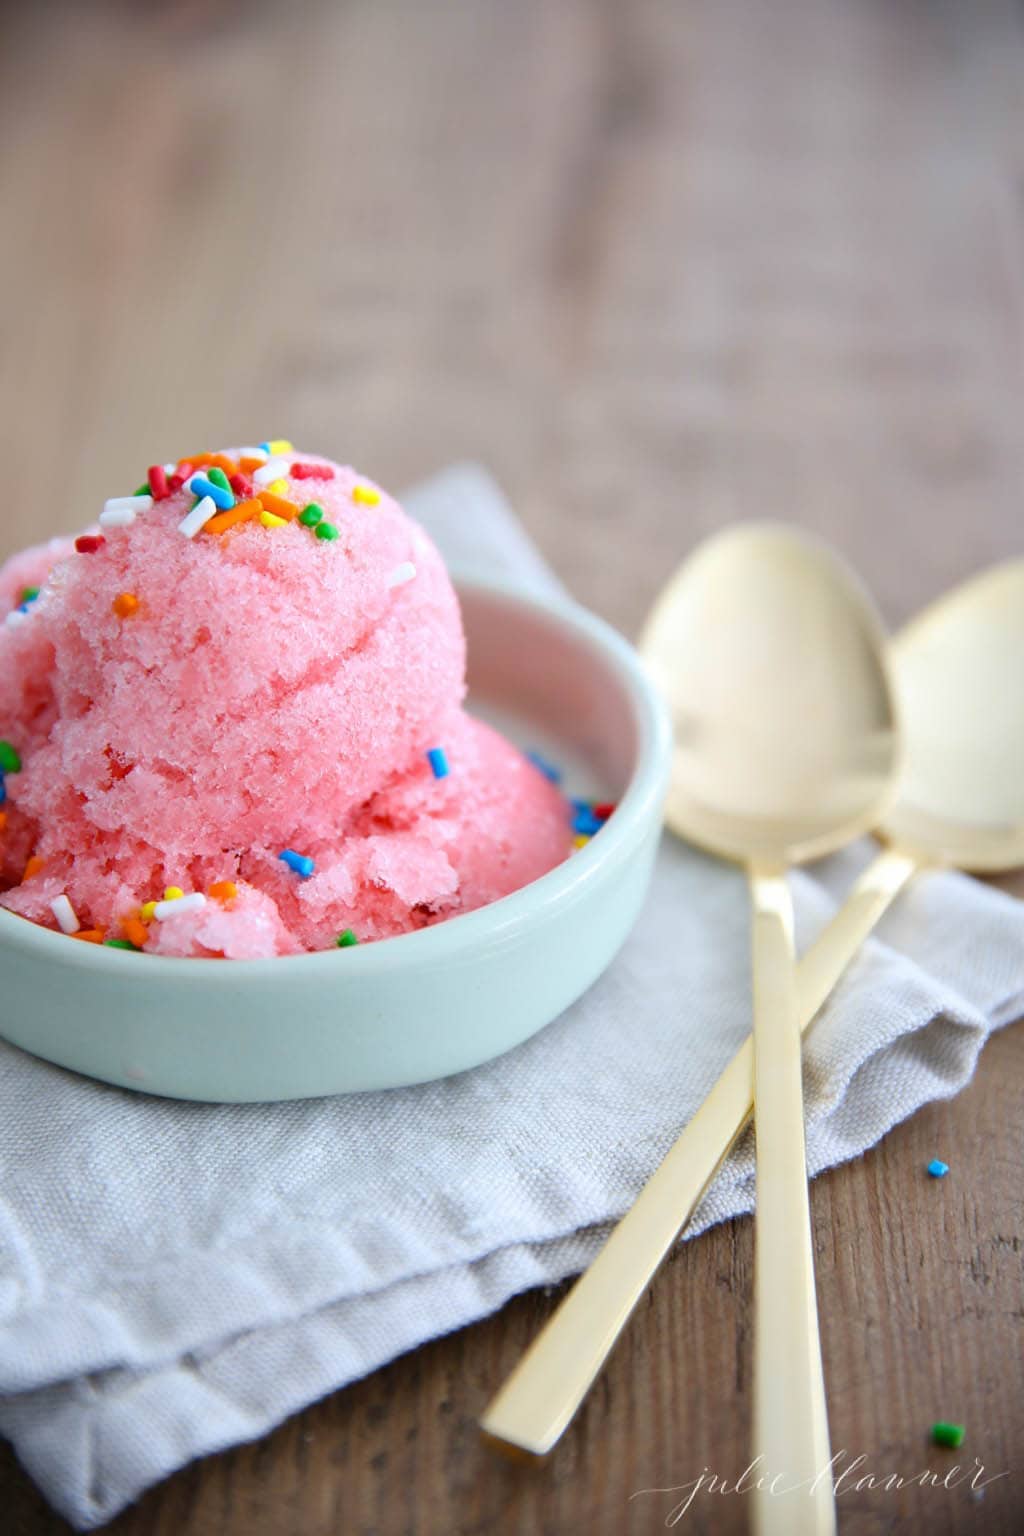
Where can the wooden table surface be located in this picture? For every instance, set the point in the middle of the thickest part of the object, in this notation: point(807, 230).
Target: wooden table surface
point(659, 265)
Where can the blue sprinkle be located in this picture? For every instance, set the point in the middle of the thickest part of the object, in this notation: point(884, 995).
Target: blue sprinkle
point(584, 821)
point(547, 769)
point(265, 447)
point(200, 486)
point(3, 789)
point(438, 762)
point(298, 862)
point(937, 1168)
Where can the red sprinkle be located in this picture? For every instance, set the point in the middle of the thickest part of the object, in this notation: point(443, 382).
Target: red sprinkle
point(604, 809)
point(157, 477)
point(312, 472)
point(89, 543)
point(241, 485)
point(175, 483)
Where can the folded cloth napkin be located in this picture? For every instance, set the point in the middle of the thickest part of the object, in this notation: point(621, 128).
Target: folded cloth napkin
point(176, 1278)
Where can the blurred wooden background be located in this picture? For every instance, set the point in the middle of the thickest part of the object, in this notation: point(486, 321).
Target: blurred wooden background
point(658, 264)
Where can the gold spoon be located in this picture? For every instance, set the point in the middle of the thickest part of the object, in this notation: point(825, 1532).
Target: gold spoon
point(961, 801)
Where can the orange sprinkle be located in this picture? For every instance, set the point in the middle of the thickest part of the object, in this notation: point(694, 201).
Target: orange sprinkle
point(3, 821)
point(135, 932)
point(90, 935)
point(34, 866)
point(241, 512)
point(278, 505)
point(125, 605)
point(224, 890)
point(248, 462)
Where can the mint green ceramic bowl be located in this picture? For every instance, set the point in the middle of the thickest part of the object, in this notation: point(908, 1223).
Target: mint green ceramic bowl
point(408, 1009)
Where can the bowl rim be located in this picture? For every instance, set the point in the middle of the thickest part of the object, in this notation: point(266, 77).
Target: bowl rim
point(645, 793)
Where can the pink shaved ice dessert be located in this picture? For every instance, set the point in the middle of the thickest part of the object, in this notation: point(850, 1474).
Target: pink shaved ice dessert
point(232, 723)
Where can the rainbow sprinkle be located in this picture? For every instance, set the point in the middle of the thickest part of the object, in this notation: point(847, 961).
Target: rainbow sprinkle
point(298, 862)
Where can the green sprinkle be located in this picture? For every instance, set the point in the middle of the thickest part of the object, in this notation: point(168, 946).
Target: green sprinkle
point(311, 515)
point(29, 594)
point(121, 944)
point(326, 531)
point(218, 477)
point(143, 489)
point(951, 1435)
point(346, 940)
point(10, 760)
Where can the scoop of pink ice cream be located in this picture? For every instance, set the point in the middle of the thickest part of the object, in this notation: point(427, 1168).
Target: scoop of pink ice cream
point(188, 708)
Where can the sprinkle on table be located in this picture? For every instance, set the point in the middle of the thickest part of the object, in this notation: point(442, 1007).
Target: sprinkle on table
point(64, 912)
point(949, 1435)
point(89, 543)
point(311, 514)
point(346, 940)
point(401, 574)
point(438, 760)
point(125, 604)
point(937, 1168)
point(299, 862)
point(365, 495)
point(10, 758)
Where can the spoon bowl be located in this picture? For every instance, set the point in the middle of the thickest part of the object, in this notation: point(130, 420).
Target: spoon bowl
point(958, 668)
point(770, 656)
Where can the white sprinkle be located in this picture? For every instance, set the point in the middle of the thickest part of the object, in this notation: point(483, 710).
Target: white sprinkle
point(170, 469)
point(252, 453)
point(273, 469)
point(117, 517)
point(194, 903)
point(136, 503)
point(197, 519)
point(401, 574)
point(65, 914)
point(16, 618)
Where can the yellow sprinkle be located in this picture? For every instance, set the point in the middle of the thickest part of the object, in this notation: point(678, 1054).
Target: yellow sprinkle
point(269, 520)
point(279, 487)
point(280, 445)
point(148, 912)
point(580, 840)
point(173, 893)
point(366, 495)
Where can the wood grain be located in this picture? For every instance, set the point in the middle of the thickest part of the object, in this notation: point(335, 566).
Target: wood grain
point(658, 265)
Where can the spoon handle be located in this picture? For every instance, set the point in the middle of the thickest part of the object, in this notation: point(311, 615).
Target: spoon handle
point(790, 1414)
point(545, 1390)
